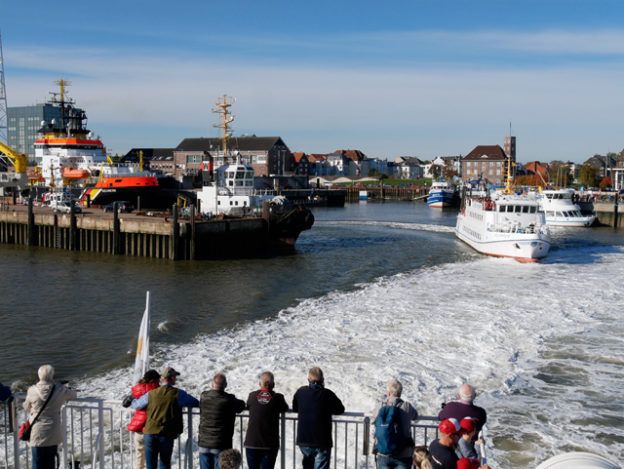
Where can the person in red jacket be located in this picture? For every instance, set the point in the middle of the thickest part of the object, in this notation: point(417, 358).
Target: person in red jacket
point(151, 380)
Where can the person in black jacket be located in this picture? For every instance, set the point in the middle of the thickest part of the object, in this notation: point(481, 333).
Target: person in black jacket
point(315, 406)
point(217, 412)
point(262, 439)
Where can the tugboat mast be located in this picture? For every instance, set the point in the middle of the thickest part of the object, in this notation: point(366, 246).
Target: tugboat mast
point(226, 118)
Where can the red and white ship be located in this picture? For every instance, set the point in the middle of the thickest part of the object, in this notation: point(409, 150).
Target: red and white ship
point(68, 153)
point(65, 144)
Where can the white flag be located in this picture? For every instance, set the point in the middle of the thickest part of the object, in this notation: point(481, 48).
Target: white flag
point(141, 363)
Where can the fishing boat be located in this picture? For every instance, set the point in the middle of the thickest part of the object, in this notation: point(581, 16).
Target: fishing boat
point(504, 224)
point(560, 209)
point(442, 194)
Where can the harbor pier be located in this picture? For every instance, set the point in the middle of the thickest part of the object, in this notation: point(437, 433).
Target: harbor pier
point(159, 237)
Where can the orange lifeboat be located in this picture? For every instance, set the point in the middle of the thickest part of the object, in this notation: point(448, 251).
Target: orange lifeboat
point(75, 174)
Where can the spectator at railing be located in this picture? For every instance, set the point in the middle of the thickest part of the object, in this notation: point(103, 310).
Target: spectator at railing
point(149, 381)
point(465, 445)
point(464, 408)
point(443, 455)
point(217, 414)
point(5, 392)
point(262, 438)
point(46, 433)
point(315, 405)
point(164, 418)
point(393, 449)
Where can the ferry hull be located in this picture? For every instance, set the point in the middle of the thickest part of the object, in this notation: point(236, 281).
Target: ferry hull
point(523, 248)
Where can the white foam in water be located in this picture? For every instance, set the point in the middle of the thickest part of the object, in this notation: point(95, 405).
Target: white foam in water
point(394, 224)
point(528, 336)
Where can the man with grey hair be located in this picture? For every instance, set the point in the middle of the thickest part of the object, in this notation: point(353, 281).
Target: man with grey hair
point(315, 405)
point(393, 445)
point(262, 438)
point(464, 408)
point(217, 413)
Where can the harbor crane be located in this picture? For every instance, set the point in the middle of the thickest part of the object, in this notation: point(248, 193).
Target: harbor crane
point(18, 160)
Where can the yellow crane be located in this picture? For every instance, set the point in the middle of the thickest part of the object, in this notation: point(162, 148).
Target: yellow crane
point(18, 160)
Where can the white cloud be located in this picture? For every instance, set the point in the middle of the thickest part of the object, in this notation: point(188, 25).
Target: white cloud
point(566, 112)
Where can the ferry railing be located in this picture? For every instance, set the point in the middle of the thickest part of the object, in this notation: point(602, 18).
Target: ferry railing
point(95, 436)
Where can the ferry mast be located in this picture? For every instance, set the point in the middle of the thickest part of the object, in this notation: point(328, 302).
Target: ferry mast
point(225, 119)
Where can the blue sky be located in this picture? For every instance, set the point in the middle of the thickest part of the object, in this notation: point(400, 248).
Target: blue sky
point(420, 78)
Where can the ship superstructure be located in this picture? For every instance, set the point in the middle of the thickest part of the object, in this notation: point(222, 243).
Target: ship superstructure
point(65, 143)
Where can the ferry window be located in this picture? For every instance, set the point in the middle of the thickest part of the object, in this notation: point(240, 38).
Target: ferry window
point(525, 209)
point(240, 174)
point(518, 209)
point(230, 183)
point(218, 202)
point(533, 209)
point(239, 182)
point(550, 214)
point(249, 183)
point(566, 214)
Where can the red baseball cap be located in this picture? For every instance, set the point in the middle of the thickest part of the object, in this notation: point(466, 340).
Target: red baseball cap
point(467, 425)
point(467, 463)
point(449, 426)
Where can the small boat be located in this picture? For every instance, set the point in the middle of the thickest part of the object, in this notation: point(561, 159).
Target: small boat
point(504, 224)
point(442, 194)
point(560, 209)
point(75, 174)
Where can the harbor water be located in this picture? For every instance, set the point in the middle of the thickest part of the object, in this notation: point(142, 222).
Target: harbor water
point(375, 290)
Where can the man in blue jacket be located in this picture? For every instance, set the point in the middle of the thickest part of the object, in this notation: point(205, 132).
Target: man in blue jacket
point(315, 406)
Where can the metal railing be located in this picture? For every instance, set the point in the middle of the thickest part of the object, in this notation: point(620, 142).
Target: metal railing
point(95, 436)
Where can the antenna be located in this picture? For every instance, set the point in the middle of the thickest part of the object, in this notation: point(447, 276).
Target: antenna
point(3, 100)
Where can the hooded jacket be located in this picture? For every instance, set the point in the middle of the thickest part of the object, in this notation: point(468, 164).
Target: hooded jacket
point(47, 429)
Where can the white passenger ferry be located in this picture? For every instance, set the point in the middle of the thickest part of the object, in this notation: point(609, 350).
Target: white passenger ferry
point(560, 209)
point(504, 224)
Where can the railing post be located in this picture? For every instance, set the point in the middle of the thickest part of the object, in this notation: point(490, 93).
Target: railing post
point(16, 461)
point(283, 441)
point(188, 453)
point(101, 431)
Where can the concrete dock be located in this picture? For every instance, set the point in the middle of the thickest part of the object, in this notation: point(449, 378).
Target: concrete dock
point(159, 236)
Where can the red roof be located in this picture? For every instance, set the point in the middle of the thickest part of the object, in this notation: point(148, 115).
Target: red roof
point(354, 155)
point(298, 155)
point(314, 157)
point(537, 167)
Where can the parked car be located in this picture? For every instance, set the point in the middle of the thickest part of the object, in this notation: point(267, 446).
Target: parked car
point(65, 207)
point(122, 207)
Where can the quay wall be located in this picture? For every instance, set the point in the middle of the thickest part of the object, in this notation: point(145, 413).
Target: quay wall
point(607, 213)
point(160, 238)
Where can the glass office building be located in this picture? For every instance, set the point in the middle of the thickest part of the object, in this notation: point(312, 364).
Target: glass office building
point(23, 124)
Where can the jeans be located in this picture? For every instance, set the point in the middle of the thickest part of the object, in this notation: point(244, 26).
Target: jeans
point(261, 458)
point(315, 458)
point(157, 445)
point(43, 457)
point(388, 462)
point(208, 461)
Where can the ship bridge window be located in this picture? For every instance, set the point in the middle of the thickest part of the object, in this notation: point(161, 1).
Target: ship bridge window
point(230, 183)
point(249, 183)
point(239, 182)
point(518, 209)
point(533, 209)
point(525, 209)
point(240, 174)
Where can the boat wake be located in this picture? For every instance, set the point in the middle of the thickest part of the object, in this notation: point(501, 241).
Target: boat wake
point(529, 336)
point(391, 224)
